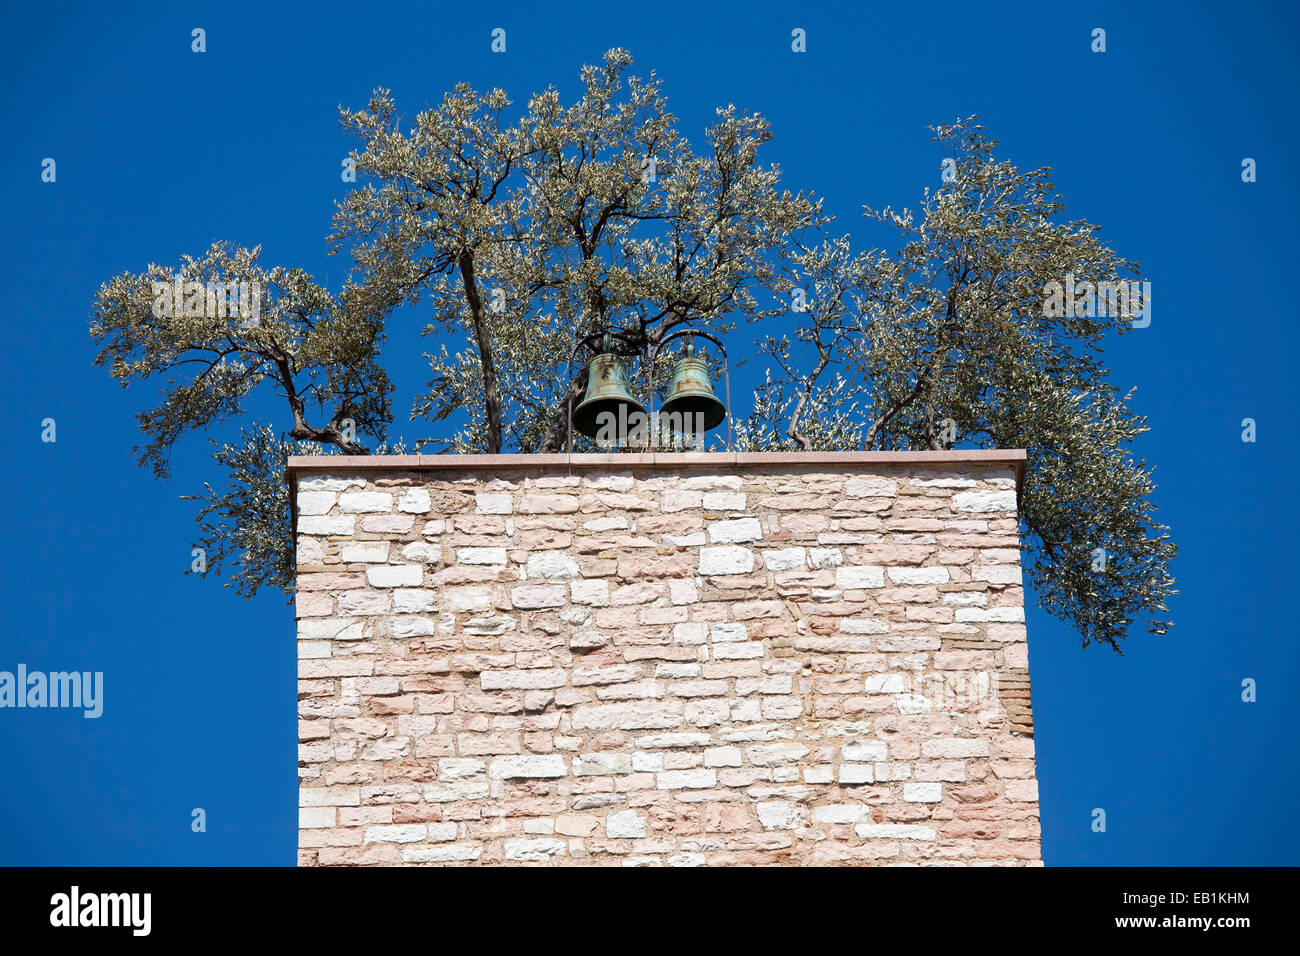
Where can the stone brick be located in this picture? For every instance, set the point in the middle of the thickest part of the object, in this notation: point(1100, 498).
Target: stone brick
point(702, 779)
point(481, 555)
point(514, 768)
point(858, 577)
point(981, 501)
point(726, 560)
point(893, 831)
point(552, 564)
point(365, 502)
point(918, 575)
point(539, 595)
point(624, 825)
point(540, 679)
point(785, 559)
point(324, 525)
point(400, 833)
point(316, 502)
point(735, 531)
point(493, 504)
point(535, 851)
point(415, 501)
point(870, 488)
point(441, 854)
point(395, 576)
point(357, 552)
point(922, 792)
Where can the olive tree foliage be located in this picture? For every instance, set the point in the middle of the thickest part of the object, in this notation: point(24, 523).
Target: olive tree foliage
point(949, 342)
point(512, 230)
point(317, 352)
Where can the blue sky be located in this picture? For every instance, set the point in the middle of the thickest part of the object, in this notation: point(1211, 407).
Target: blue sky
point(160, 150)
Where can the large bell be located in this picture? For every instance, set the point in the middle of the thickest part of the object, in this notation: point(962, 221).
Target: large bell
point(607, 391)
point(690, 394)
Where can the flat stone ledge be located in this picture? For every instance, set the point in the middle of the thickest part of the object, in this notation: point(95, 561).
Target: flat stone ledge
point(718, 459)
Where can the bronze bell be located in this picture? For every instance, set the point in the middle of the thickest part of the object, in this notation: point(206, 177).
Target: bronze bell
point(690, 393)
point(607, 391)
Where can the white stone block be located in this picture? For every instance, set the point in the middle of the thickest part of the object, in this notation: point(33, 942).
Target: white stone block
point(855, 577)
point(980, 615)
point(726, 559)
point(535, 851)
point(624, 825)
point(463, 600)
point(785, 559)
point(442, 832)
point(422, 552)
point(856, 773)
point(918, 575)
point(365, 503)
point(397, 833)
point(922, 792)
point(537, 678)
point(395, 575)
point(363, 552)
point(735, 531)
point(493, 504)
point(841, 813)
point(690, 633)
point(315, 818)
point(816, 775)
point(775, 755)
point(518, 767)
point(315, 502)
point(871, 488)
point(552, 564)
point(885, 684)
point(893, 831)
point(825, 558)
point(593, 593)
point(687, 779)
point(722, 757)
point(326, 525)
point(728, 633)
point(330, 484)
point(779, 814)
point(864, 750)
point(441, 854)
point(414, 501)
point(996, 573)
point(983, 501)
point(683, 591)
point(724, 501)
point(481, 555)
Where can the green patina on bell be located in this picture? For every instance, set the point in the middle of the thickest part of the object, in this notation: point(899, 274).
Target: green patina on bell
point(607, 391)
point(690, 394)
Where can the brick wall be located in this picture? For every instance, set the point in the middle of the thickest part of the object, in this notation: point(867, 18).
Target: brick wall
point(711, 659)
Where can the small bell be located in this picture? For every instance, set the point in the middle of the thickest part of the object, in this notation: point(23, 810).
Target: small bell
point(607, 391)
point(690, 394)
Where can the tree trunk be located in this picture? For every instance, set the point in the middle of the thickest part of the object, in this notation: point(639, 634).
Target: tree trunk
point(491, 391)
point(558, 430)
